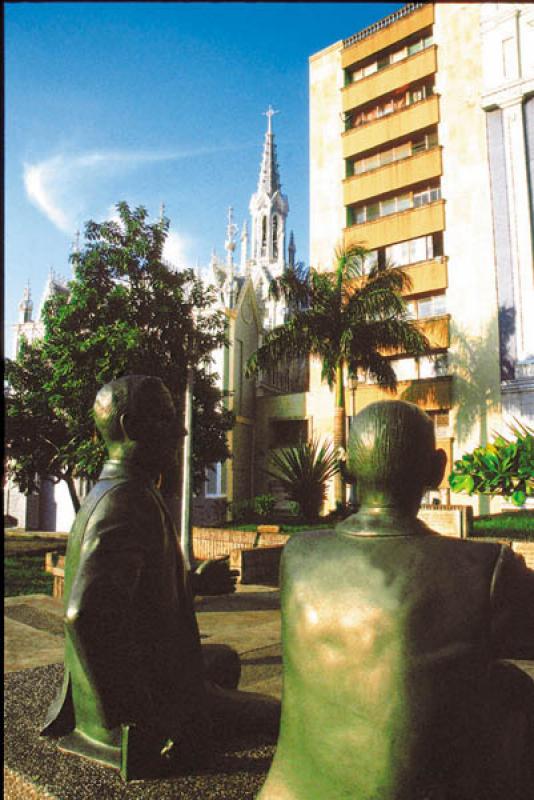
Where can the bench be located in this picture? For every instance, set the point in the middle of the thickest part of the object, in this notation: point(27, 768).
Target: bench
point(55, 565)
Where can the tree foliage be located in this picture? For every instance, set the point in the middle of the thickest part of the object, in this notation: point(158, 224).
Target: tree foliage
point(127, 312)
point(352, 319)
point(504, 467)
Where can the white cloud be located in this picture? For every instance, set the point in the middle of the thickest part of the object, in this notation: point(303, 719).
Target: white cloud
point(175, 249)
point(39, 180)
point(59, 186)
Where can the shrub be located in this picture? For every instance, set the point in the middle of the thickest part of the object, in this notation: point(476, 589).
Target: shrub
point(504, 467)
point(263, 505)
point(241, 510)
point(303, 471)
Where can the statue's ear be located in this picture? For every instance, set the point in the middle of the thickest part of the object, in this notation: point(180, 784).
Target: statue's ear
point(127, 427)
point(437, 470)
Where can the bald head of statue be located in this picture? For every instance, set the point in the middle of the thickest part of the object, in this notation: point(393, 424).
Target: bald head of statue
point(137, 420)
point(392, 454)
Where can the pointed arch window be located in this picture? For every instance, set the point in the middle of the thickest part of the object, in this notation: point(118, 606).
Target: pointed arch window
point(275, 236)
point(263, 236)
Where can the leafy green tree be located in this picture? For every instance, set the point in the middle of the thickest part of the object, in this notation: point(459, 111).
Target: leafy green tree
point(126, 312)
point(504, 467)
point(303, 471)
point(349, 318)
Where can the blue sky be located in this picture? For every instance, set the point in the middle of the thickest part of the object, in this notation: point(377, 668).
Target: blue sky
point(152, 103)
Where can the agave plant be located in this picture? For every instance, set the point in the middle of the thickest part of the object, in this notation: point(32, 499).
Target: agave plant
point(303, 471)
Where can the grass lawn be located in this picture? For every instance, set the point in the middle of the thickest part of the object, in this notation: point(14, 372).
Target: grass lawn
point(284, 527)
point(25, 574)
point(510, 524)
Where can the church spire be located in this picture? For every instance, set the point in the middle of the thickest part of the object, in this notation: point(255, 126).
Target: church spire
point(269, 180)
point(268, 210)
point(291, 250)
point(26, 305)
point(245, 268)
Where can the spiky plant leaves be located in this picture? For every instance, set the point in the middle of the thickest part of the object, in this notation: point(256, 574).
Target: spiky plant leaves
point(303, 471)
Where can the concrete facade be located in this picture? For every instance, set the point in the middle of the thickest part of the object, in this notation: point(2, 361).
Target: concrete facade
point(507, 33)
point(410, 106)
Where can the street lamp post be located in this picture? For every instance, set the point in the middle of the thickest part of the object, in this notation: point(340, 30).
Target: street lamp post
point(186, 539)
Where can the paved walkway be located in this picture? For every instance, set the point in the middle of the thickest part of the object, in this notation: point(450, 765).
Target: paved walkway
point(248, 621)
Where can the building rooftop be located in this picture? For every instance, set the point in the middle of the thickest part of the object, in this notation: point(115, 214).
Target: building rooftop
point(409, 8)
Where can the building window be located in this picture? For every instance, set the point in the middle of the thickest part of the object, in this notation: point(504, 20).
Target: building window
point(264, 236)
point(435, 366)
point(215, 481)
point(433, 306)
point(398, 153)
point(275, 236)
point(412, 369)
point(409, 48)
point(429, 195)
point(288, 432)
point(356, 215)
point(370, 261)
point(401, 100)
point(441, 422)
point(412, 251)
point(405, 368)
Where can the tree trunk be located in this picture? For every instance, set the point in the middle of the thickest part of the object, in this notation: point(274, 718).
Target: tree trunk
point(340, 438)
point(69, 480)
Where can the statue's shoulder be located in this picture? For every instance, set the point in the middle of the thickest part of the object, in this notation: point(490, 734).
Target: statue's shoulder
point(307, 545)
point(120, 500)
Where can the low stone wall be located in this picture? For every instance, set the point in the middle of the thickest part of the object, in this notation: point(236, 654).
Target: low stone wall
point(448, 520)
point(525, 549)
point(217, 542)
point(261, 565)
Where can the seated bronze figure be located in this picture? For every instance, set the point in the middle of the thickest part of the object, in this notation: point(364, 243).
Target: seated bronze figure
point(139, 691)
point(391, 636)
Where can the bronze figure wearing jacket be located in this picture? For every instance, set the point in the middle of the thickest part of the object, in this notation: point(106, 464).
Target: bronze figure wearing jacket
point(136, 692)
point(390, 636)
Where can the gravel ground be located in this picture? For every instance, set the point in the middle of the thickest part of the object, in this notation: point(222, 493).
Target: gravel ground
point(237, 773)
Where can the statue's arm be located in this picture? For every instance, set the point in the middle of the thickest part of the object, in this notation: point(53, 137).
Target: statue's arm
point(512, 601)
point(98, 617)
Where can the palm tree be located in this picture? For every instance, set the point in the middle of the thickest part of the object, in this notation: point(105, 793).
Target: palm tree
point(350, 319)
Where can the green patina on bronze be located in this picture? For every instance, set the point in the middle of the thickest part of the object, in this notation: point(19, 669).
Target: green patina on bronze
point(390, 637)
point(139, 691)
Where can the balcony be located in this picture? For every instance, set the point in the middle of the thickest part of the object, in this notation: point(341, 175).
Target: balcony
point(388, 80)
point(394, 126)
point(428, 276)
point(437, 331)
point(395, 228)
point(430, 394)
point(384, 37)
point(287, 378)
point(392, 177)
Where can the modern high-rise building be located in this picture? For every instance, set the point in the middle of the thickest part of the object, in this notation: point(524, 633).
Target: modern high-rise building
point(407, 158)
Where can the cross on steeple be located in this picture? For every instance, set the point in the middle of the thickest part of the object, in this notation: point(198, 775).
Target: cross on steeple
point(269, 114)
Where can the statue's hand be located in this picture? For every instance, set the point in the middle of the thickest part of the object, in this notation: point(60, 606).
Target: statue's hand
point(214, 576)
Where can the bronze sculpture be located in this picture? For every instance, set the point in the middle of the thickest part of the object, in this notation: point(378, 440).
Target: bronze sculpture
point(390, 636)
point(139, 691)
